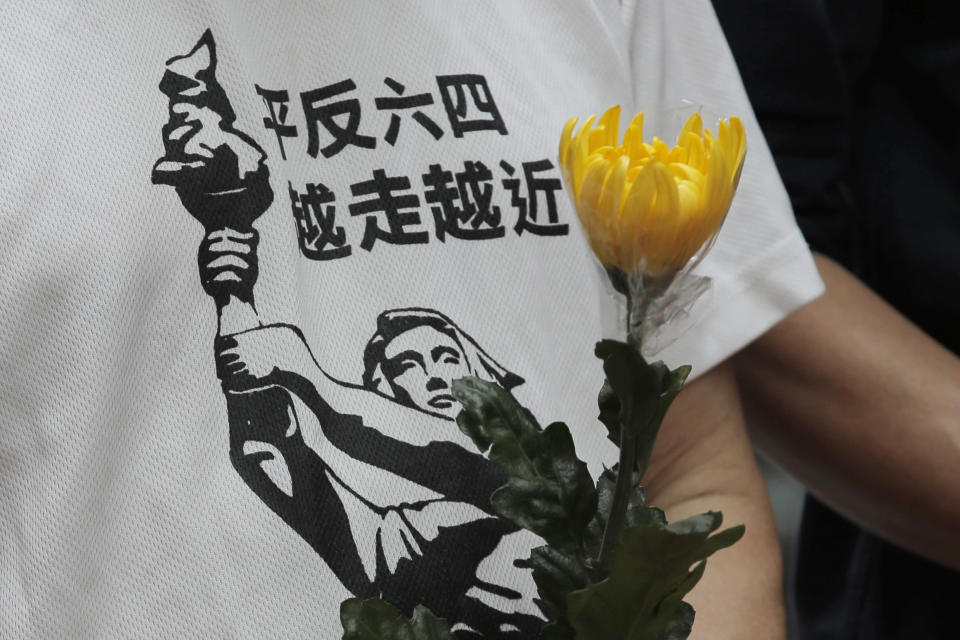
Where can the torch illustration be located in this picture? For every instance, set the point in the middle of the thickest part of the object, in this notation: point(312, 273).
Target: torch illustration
point(219, 173)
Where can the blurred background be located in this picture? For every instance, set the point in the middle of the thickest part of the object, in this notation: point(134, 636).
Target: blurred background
point(787, 496)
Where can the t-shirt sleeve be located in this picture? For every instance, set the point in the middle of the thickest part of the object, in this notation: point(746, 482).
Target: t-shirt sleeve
point(760, 266)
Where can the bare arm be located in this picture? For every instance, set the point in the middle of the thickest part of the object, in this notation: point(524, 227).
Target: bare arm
point(703, 462)
point(279, 354)
point(863, 408)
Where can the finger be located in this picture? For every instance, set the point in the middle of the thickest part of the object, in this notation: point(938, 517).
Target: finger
point(225, 344)
point(227, 360)
point(231, 240)
point(213, 249)
point(228, 261)
point(227, 233)
point(226, 276)
point(210, 273)
point(231, 246)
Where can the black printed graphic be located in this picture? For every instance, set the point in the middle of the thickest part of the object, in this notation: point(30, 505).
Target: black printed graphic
point(531, 218)
point(332, 114)
point(278, 107)
point(315, 213)
point(469, 104)
point(320, 108)
point(407, 102)
point(463, 205)
point(372, 474)
point(466, 203)
point(391, 198)
point(219, 172)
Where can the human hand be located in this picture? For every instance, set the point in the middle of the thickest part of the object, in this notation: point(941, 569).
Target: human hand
point(228, 263)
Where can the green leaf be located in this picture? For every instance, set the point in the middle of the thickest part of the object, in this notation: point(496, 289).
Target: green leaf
point(534, 505)
point(558, 630)
point(638, 512)
point(557, 574)
point(609, 412)
point(680, 626)
point(650, 573)
point(554, 457)
point(549, 490)
point(642, 391)
point(375, 619)
point(487, 408)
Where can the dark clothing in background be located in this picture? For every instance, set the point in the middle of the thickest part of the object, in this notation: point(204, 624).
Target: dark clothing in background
point(860, 103)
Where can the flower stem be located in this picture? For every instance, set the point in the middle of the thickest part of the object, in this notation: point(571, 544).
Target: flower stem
point(634, 304)
point(628, 450)
point(621, 496)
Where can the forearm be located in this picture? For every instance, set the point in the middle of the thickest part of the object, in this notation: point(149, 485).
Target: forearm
point(864, 409)
point(383, 414)
point(703, 462)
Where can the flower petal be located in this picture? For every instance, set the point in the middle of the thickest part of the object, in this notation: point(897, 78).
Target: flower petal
point(594, 177)
point(684, 171)
point(694, 124)
point(663, 224)
point(634, 218)
point(637, 121)
point(633, 144)
point(566, 139)
point(717, 192)
point(611, 197)
point(579, 152)
point(610, 125)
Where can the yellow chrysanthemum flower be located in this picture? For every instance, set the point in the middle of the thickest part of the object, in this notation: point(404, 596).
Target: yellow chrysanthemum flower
point(648, 208)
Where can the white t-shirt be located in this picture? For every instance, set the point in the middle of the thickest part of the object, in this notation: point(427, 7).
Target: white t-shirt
point(411, 154)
